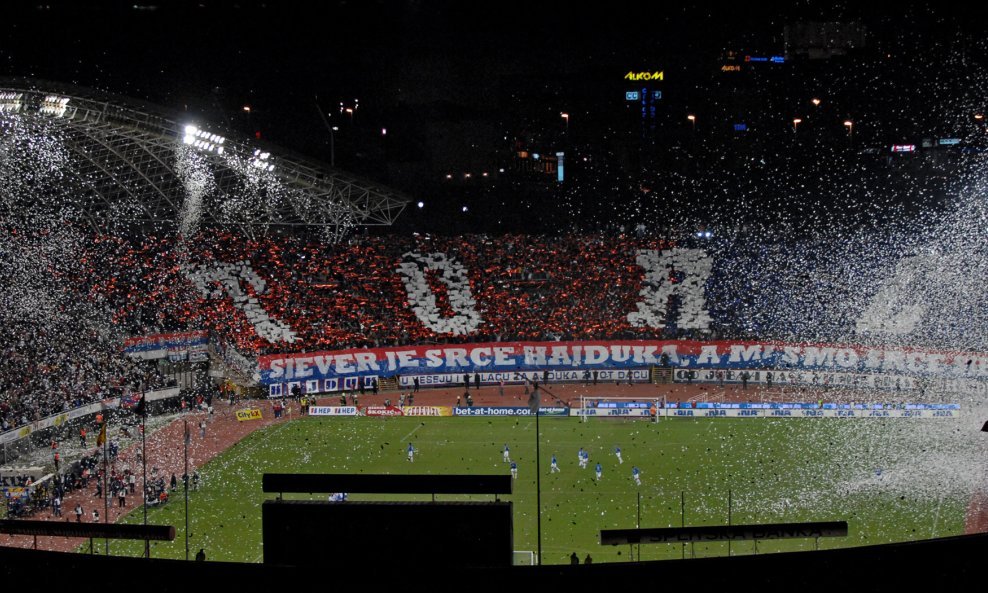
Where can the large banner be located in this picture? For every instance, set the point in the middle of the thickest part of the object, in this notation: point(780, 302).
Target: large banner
point(797, 377)
point(312, 386)
point(626, 354)
point(519, 377)
point(192, 346)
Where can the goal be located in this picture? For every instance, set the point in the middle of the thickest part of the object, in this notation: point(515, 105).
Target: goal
point(621, 407)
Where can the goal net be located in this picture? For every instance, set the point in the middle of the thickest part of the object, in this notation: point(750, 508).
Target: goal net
point(621, 407)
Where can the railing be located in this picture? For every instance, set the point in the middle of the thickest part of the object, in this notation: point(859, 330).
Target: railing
point(23, 432)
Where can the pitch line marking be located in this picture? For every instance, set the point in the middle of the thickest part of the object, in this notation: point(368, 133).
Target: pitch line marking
point(405, 438)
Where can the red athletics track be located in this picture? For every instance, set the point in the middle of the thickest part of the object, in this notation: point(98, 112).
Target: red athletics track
point(165, 449)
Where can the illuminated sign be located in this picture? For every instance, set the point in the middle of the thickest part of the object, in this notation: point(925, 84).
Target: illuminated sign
point(773, 59)
point(903, 148)
point(730, 68)
point(949, 141)
point(740, 127)
point(631, 95)
point(656, 94)
point(645, 76)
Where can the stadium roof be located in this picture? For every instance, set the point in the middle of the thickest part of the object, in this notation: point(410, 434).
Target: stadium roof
point(127, 160)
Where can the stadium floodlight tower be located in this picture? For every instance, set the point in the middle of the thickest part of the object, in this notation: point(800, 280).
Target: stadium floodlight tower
point(120, 162)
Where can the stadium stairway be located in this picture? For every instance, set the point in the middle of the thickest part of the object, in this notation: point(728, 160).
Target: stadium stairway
point(222, 369)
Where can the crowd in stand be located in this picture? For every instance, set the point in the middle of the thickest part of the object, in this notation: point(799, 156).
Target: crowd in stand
point(58, 349)
point(44, 371)
point(524, 287)
point(351, 296)
point(354, 295)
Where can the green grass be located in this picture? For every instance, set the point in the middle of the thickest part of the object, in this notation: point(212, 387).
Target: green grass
point(776, 470)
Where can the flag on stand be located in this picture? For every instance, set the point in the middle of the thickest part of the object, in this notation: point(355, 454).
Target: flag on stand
point(129, 400)
point(141, 409)
point(101, 439)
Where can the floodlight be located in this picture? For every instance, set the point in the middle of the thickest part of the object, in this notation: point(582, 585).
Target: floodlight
point(202, 139)
point(54, 105)
point(11, 101)
point(260, 160)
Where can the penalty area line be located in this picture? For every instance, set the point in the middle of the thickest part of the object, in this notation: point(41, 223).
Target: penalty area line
point(405, 438)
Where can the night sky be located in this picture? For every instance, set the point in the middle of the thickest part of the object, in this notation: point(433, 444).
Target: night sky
point(462, 90)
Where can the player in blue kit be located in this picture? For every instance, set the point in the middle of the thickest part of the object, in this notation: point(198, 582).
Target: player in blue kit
point(411, 452)
point(514, 470)
point(636, 475)
point(507, 453)
point(599, 471)
point(555, 466)
point(617, 451)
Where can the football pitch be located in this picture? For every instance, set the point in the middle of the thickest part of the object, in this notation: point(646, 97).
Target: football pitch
point(693, 471)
